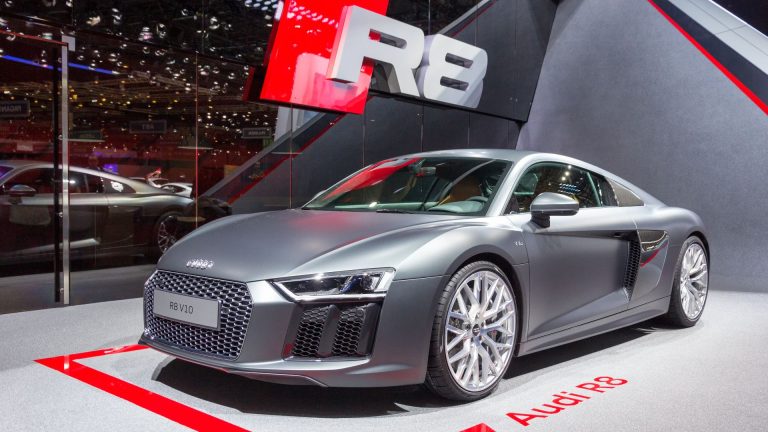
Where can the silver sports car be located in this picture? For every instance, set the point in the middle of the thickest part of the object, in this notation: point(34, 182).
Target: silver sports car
point(435, 268)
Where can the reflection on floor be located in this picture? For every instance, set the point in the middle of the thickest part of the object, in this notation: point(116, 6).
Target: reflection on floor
point(706, 378)
point(36, 291)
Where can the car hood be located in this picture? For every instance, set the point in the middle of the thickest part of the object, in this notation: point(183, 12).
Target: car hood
point(302, 242)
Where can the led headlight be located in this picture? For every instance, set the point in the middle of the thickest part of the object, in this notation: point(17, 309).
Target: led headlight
point(342, 285)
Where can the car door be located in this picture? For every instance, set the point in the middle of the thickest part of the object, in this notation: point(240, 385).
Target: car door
point(27, 222)
point(87, 212)
point(125, 213)
point(578, 264)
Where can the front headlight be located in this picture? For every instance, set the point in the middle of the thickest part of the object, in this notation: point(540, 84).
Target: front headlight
point(342, 285)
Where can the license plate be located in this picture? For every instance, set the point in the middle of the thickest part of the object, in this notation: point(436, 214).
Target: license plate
point(186, 309)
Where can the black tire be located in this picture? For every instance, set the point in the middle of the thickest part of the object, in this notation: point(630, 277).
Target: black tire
point(439, 378)
point(676, 315)
point(157, 246)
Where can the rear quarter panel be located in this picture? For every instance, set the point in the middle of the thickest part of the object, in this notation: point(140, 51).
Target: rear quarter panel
point(679, 224)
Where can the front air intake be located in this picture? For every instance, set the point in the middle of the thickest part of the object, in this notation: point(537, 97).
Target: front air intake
point(343, 330)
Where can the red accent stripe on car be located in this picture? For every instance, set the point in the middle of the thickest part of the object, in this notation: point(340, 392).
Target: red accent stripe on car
point(653, 255)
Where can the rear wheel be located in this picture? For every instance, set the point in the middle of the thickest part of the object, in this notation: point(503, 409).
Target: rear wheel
point(690, 285)
point(473, 334)
point(164, 233)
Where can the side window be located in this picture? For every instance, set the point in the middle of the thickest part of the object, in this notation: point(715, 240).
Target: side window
point(116, 187)
point(624, 196)
point(604, 190)
point(77, 183)
point(95, 184)
point(558, 178)
point(39, 179)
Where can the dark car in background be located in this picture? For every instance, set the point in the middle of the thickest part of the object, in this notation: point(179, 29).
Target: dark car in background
point(110, 215)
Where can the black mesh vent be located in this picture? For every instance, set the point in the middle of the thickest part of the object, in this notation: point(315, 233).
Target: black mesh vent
point(235, 315)
point(310, 331)
point(336, 331)
point(633, 262)
point(348, 333)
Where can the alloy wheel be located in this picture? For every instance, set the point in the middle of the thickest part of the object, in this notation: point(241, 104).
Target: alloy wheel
point(694, 279)
point(480, 331)
point(165, 237)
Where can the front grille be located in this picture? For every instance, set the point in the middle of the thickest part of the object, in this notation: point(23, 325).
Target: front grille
point(335, 331)
point(235, 315)
point(633, 263)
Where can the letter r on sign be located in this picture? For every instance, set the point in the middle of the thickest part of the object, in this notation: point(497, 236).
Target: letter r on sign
point(354, 44)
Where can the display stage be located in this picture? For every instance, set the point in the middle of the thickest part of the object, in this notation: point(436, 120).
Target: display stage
point(91, 376)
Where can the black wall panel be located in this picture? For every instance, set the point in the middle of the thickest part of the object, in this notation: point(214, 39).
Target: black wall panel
point(330, 157)
point(392, 128)
point(488, 132)
point(445, 129)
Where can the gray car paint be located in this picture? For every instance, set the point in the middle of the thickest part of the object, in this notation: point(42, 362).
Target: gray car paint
point(566, 277)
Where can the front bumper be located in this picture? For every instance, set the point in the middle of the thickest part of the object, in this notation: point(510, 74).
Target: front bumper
point(398, 350)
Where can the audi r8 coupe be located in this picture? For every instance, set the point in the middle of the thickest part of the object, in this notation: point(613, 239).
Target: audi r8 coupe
point(436, 268)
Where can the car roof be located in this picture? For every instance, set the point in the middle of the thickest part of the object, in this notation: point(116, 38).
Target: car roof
point(13, 163)
point(501, 154)
point(138, 186)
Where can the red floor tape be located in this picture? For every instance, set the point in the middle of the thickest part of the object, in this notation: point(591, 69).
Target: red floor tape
point(161, 405)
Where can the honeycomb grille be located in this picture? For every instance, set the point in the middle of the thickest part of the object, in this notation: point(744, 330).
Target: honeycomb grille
point(335, 331)
point(235, 315)
point(633, 263)
point(348, 333)
point(310, 331)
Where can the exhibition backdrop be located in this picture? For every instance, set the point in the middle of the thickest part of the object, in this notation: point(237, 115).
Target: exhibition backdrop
point(622, 88)
point(619, 87)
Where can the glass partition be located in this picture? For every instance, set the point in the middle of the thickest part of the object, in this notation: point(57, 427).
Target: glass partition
point(30, 173)
point(169, 145)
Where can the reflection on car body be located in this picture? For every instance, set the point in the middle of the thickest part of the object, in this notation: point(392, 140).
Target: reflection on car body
point(182, 189)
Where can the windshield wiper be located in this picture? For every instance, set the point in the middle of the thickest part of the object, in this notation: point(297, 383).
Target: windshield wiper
point(386, 210)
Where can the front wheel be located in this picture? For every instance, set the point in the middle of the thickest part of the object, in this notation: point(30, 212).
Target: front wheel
point(690, 284)
point(473, 334)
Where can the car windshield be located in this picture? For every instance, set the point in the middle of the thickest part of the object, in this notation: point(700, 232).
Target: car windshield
point(416, 185)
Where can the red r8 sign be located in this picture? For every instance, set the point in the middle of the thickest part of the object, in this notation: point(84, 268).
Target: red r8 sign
point(322, 55)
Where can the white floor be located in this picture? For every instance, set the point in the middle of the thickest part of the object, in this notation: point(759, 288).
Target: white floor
point(708, 378)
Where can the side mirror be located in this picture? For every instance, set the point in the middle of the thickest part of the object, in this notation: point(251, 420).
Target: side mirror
point(20, 190)
point(552, 204)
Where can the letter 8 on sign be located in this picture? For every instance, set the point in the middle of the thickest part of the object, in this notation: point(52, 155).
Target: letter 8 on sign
point(448, 70)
